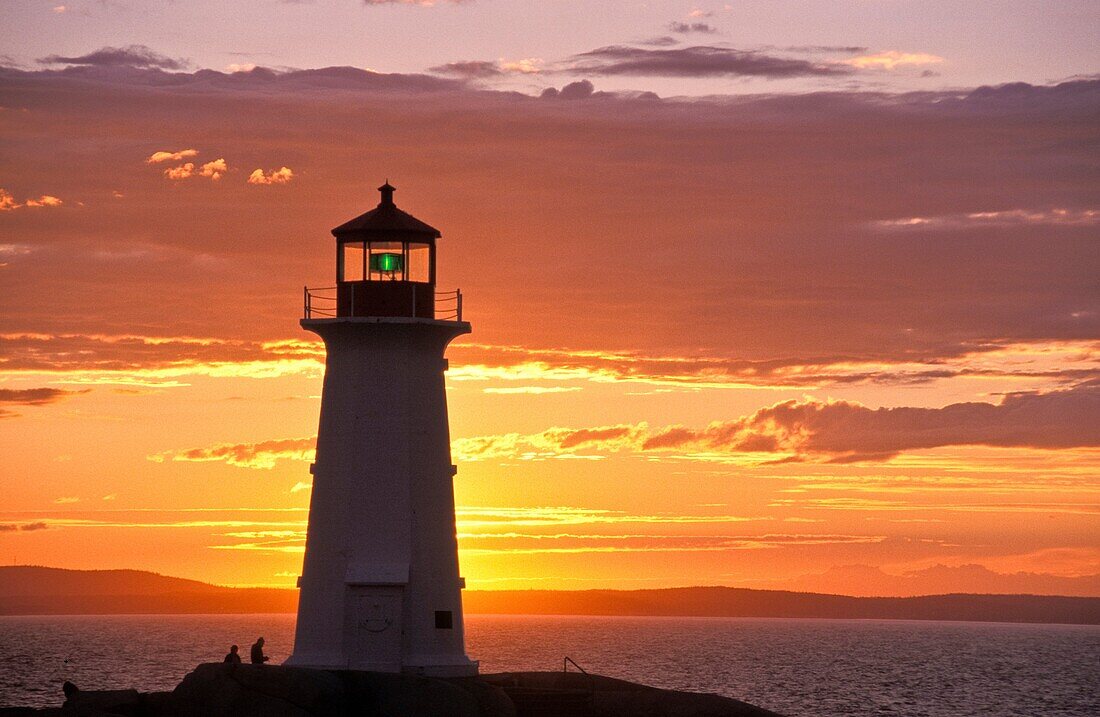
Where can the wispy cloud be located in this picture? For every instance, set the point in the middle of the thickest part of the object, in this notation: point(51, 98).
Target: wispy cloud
point(687, 28)
point(31, 397)
point(697, 61)
point(892, 59)
point(23, 527)
point(138, 56)
point(790, 431)
point(264, 454)
point(531, 390)
point(1058, 216)
point(484, 69)
point(828, 431)
point(8, 203)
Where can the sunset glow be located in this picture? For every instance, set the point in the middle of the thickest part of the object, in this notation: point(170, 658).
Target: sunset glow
point(815, 313)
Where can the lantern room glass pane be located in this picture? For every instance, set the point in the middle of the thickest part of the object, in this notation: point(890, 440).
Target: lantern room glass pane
point(387, 261)
point(352, 264)
point(420, 267)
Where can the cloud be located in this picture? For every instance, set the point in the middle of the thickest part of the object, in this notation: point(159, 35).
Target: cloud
point(8, 203)
point(45, 200)
point(773, 277)
point(827, 49)
point(164, 155)
point(473, 69)
point(138, 56)
point(484, 69)
point(532, 390)
point(67, 500)
point(698, 61)
point(842, 431)
point(829, 431)
point(661, 41)
point(551, 443)
point(23, 527)
point(524, 66)
point(215, 169)
point(579, 90)
point(685, 28)
point(263, 455)
point(10, 250)
point(183, 171)
point(132, 360)
point(892, 59)
point(283, 175)
point(1006, 217)
point(32, 397)
point(160, 361)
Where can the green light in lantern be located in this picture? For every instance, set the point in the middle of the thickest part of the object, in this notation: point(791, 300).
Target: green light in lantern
point(386, 262)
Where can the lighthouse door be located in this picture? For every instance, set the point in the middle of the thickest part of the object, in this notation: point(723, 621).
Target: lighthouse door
point(376, 629)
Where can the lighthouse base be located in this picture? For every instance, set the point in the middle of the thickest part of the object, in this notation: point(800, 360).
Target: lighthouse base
point(425, 667)
point(450, 668)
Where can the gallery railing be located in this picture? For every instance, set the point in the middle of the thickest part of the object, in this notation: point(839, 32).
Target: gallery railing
point(321, 303)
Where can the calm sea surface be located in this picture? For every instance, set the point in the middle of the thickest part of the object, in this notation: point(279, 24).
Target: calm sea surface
point(795, 667)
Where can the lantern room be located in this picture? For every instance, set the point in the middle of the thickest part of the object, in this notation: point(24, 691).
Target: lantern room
point(385, 263)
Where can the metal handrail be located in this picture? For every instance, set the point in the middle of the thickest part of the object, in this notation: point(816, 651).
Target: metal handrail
point(316, 304)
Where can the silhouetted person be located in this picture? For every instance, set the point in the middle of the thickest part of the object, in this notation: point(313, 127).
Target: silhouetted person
point(234, 657)
point(258, 656)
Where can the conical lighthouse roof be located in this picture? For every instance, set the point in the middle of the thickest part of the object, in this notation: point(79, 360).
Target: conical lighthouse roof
point(385, 218)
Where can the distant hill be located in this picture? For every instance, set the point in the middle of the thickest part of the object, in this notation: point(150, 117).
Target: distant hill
point(29, 590)
point(33, 590)
point(742, 602)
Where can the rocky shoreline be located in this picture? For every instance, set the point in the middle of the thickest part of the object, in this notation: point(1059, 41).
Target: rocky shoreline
point(224, 690)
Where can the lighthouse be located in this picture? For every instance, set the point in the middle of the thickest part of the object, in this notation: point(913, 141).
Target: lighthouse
point(380, 587)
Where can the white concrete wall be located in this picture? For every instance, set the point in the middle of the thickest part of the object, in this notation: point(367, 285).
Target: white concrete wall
point(381, 519)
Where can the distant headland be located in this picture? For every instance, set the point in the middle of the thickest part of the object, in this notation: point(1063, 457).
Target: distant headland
point(34, 590)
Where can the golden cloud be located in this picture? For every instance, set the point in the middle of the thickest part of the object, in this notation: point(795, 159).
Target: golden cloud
point(891, 59)
point(214, 170)
point(8, 203)
point(183, 171)
point(283, 175)
point(165, 156)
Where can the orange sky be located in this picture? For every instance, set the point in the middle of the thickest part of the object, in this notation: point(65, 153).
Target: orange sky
point(842, 341)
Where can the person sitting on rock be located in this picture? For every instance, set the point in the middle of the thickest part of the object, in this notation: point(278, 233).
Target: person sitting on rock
point(234, 656)
point(258, 656)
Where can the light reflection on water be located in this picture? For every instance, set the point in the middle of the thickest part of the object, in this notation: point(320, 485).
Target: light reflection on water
point(795, 667)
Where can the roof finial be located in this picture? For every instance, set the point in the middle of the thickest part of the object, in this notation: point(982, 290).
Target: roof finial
point(387, 194)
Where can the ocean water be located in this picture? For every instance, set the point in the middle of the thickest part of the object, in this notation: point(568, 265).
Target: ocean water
point(795, 667)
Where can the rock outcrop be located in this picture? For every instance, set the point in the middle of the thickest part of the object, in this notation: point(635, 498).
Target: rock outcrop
point(225, 690)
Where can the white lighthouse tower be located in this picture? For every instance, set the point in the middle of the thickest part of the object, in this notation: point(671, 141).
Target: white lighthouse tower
point(380, 587)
